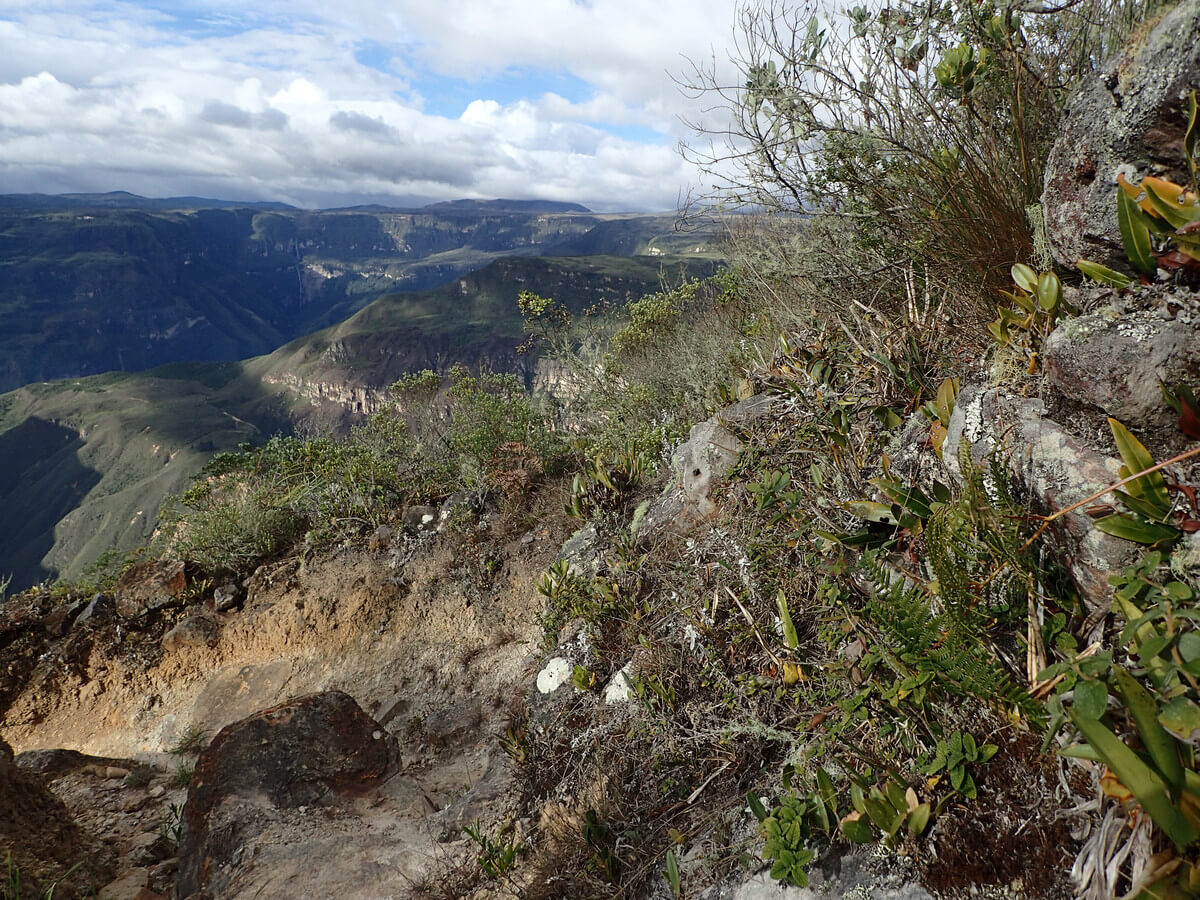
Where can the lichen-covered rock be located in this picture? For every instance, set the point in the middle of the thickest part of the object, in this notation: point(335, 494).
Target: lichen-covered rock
point(1130, 117)
point(857, 873)
point(1118, 359)
point(312, 752)
point(1054, 467)
point(581, 552)
point(698, 466)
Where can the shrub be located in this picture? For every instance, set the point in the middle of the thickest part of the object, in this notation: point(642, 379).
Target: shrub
point(924, 126)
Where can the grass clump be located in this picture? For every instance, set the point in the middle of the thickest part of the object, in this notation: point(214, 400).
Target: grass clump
point(192, 740)
point(483, 432)
point(181, 777)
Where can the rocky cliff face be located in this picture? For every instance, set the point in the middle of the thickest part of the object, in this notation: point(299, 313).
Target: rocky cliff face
point(90, 290)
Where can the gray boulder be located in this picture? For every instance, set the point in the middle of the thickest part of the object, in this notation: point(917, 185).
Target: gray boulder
point(1117, 359)
point(99, 609)
point(319, 751)
point(1130, 117)
point(1054, 467)
point(698, 466)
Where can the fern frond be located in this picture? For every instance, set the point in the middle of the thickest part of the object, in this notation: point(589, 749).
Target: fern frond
point(951, 644)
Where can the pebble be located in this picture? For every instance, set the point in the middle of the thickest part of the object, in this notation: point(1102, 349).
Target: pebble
point(157, 791)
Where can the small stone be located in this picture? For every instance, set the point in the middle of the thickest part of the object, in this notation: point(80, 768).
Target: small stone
point(134, 802)
point(149, 848)
point(192, 631)
point(115, 772)
point(133, 885)
point(157, 791)
point(100, 608)
point(227, 596)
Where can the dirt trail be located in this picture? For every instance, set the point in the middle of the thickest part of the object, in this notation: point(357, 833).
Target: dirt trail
point(435, 640)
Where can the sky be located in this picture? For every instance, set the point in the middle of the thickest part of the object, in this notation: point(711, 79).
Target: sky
point(325, 103)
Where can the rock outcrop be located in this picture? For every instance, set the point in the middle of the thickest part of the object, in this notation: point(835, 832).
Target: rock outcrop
point(1118, 356)
point(317, 751)
point(698, 467)
point(1130, 119)
point(1053, 467)
point(40, 839)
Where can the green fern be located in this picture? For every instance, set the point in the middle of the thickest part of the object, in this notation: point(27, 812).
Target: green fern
point(951, 643)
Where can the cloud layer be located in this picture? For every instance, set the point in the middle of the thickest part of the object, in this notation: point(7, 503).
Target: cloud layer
point(323, 104)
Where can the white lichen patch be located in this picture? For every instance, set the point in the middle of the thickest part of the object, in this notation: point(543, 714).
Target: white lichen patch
point(620, 688)
point(556, 673)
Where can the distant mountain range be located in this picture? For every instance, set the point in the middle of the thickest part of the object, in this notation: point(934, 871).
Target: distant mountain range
point(113, 282)
point(309, 301)
point(126, 200)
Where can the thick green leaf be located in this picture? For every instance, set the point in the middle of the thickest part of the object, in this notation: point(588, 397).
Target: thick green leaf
point(872, 512)
point(1104, 274)
point(857, 831)
point(1138, 530)
point(918, 819)
point(1135, 234)
point(882, 815)
point(1091, 699)
point(1081, 751)
point(1049, 291)
point(1153, 487)
point(947, 396)
point(857, 800)
point(1177, 590)
point(1189, 646)
point(1025, 278)
point(672, 867)
point(1181, 717)
point(910, 498)
point(1142, 507)
point(790, 638)
point(1163, 749)
point(821, 811)
point(895, 796)
point(756, 806)
point(1175, 215)
point(826, 791)
point(1143, 782)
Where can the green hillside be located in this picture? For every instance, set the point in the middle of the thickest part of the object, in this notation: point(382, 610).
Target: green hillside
point(89, 461)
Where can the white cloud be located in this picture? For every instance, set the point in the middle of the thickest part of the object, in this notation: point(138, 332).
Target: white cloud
point(102, 95)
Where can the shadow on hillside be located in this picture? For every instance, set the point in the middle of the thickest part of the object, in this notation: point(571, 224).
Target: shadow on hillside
point(41, 481)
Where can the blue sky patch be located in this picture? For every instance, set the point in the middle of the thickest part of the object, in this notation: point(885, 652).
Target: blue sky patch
point(450, 96)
